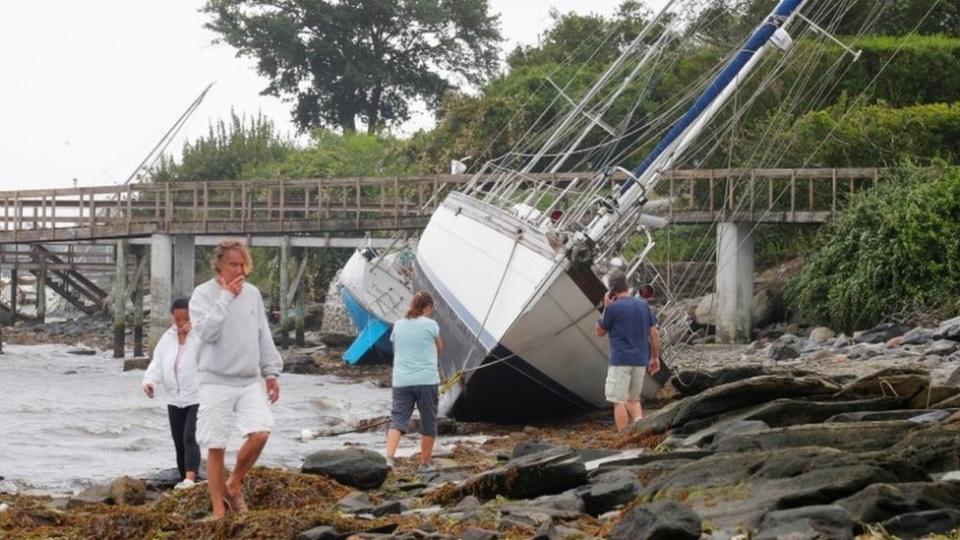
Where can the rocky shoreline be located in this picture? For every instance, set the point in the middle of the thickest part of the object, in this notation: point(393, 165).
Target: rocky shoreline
point(795, 436)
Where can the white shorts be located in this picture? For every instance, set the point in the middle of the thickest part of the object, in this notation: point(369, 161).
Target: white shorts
point(624, 383)
point(223, 408)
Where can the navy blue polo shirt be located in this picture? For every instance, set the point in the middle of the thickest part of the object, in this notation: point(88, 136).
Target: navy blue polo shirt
point(628, 322)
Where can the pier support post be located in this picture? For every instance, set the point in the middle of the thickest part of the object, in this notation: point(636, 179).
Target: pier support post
point(284, 288)
point(734, 282)
point(42, 292)
point(138, 254)
point(13, 297)
point(161, 285)
point(300, 301)
point(120, 300)
point(184, 261)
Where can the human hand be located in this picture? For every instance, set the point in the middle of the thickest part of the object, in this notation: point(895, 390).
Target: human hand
point(148, 389)
point(273, 390)
point(608, 299)
point(234, 286)
point(185, 328)
point(654, 366)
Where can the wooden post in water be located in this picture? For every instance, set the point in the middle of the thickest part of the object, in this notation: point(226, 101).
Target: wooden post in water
point(299, 301)
point(13, 296)
point(138, 254)
point(120, 300)
point(284, 287)
point(42, 290)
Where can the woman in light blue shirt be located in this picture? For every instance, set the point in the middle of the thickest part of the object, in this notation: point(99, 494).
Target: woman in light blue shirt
point(416, 377)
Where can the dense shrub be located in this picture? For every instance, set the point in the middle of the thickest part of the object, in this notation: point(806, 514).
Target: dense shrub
point(896, 249)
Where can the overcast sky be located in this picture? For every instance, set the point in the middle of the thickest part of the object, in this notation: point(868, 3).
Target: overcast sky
point(88, 88)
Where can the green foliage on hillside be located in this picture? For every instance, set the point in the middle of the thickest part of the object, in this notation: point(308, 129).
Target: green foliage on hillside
point(896, 250)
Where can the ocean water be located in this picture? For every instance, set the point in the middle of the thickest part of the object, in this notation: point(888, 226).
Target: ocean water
point(69, 421)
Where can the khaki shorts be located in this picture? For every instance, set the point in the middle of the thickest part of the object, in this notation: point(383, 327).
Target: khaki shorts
point(224, 409)
point(624, 383)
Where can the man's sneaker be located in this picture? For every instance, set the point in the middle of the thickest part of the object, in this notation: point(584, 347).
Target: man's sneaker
point(426, 468)
point(391, 463)
point(185, 484)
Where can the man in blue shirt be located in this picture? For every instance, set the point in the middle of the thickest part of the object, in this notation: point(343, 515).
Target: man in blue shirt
point(634, 348)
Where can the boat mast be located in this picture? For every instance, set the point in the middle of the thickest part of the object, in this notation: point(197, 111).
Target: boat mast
point(688, 127)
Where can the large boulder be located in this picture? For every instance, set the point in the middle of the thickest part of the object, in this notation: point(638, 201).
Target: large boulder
point(734, 490)
point(706, 312)
point(881, 502)
point(934, 449)
point(662, 520)
point(807, 523)
point(303, 364)
point(354, 467)
point(943, 347)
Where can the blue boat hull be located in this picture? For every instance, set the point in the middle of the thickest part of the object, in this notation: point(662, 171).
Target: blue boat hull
point(374, 333)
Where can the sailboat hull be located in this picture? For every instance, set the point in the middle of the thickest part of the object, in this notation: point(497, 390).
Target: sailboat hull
point(517, 323)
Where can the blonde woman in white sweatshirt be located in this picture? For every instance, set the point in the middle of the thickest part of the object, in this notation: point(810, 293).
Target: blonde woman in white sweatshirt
point(174, 365)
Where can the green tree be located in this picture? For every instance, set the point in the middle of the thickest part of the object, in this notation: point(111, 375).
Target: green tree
point(340, 61)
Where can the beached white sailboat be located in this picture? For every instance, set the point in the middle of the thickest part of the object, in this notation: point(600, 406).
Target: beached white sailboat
point(375, 289)
point(518, 289)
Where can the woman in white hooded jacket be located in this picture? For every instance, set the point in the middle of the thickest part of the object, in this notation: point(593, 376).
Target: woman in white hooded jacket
point(174, 365)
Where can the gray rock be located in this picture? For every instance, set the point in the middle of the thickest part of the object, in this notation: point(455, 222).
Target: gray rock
point(881, 333)
point(661, 520)
point(854, 437)
point(920, 524)
point(881, 502)
point(609, 490)
point(82, 352)
point(949, 329)
point(546, 531)
point(476, 533)
point(355, 502)
point(693, 382)
point(319, 533)
point(388, 508)
point(932, 417)
point(872, 416)
point(468, 503)
point(132, 364)
point(354, 467)
point(783, 351)
point(544, 473)
point(901, 382)
point(842, 341)
point(128, 491)
point(8, 487)
point(822, 334)
point(97, 494)
point(917, 336)
point(732, 396)
point(943, 347)
point(934, 449)
point(952, 476)
point(568, 501)
point(526, 448)
point(300, 363)
point(733, 490)
point(807, 523)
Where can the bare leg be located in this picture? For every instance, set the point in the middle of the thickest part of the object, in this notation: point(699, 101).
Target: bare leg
point(393, 440)
point(215, 481)
point(426, 449)
point(192, 475)
point(635, 410)
point(249, 453)
point(620, 415)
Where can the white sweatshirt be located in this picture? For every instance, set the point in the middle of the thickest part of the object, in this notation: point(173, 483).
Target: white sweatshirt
point(175, 368)
point(237, 346)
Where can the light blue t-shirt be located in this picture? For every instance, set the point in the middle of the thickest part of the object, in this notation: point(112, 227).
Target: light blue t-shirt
point(415, 352)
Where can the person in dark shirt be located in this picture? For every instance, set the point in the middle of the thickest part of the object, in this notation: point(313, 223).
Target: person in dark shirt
point(634, 348)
